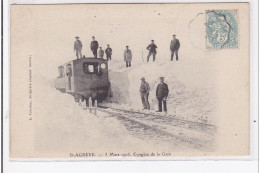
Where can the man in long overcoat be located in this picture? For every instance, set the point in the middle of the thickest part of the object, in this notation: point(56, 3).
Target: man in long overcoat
point(94, 46)
point(174, 47)
point(78, 47)
point(162, 92)
point(128, 56)
point(144, 92)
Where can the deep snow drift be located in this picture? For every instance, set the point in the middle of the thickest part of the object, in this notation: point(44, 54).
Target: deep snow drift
point(191, 93)
point(62, 125)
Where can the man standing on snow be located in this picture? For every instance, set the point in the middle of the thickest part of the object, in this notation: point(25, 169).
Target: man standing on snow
point(94, 46)
point(128, 57)
point(144, 92)
point(152, 50)
point(108, 52)
point(101, 52)
point(162, 94)
point(78, 47)
point(174, 47)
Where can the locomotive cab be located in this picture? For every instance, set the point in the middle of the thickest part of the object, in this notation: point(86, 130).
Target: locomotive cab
point(84, 78)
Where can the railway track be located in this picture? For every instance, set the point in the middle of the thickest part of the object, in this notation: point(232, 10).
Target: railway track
point(163, 128)
point(168, 119)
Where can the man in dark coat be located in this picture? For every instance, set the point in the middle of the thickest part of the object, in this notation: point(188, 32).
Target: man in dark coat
point(78, 47)
point(174, 47)
point(152, 50)
point(144, 92)
point(108, 52)
point(162, 94)
point(94, 46)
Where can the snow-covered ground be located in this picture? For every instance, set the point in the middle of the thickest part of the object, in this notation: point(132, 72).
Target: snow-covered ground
point(62, 125)
point(191, 92)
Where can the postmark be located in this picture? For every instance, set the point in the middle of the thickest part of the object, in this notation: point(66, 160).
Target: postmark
point(221, 29)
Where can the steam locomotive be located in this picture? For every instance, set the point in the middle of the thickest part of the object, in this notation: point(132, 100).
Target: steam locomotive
point(84, 78)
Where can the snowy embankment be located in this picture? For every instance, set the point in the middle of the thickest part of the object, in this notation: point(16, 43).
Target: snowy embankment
point(62, 125)
point(191, 92)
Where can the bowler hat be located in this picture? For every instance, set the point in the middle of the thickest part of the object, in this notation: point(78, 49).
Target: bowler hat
point(127, 46)
point(173, 35)
point(93, 36)
point(76, 37)
point(142, 78)
point(152, 40)
point(161, 77)
point(108, 45)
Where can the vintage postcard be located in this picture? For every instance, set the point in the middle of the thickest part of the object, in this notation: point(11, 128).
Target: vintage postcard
point(129, 81)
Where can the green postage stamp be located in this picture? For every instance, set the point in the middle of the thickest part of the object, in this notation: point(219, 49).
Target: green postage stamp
point(222, 29)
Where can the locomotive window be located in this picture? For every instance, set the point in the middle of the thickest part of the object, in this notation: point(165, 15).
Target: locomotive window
point(103, 65)
point(68, 70)
point(61, 71)
point(91, 67)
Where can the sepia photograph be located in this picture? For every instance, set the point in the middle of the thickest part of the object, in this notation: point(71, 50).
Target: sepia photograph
point(129, 81)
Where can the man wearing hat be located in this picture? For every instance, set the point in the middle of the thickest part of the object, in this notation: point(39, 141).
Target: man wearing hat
point(174, 47)
point(152, 50)
point(162, 94)
point(78, 47)
point(94, 46)
point(108, 52)
point(144, 92)
point(101, 52)
point(128, 57)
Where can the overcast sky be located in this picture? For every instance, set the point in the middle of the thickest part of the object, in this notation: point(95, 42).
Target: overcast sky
point(53, 30)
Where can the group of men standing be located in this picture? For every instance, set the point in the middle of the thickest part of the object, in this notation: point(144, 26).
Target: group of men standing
point(162, 88)
point(174, 47)
point(162, 92)
point(94, 48)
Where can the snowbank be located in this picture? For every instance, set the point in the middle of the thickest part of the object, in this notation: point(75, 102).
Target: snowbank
point(191, 87)
point(62, 125)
